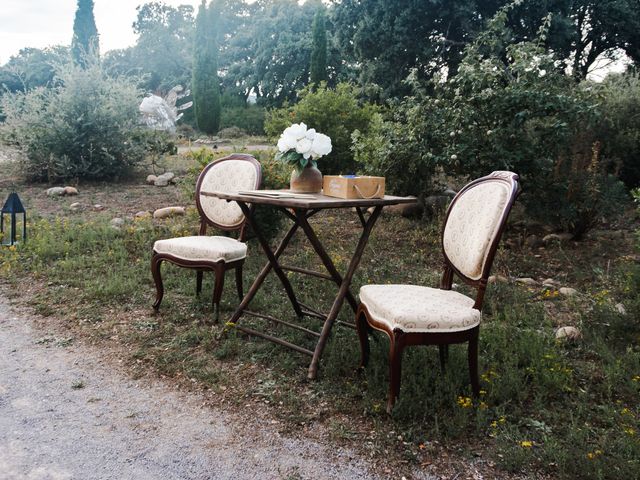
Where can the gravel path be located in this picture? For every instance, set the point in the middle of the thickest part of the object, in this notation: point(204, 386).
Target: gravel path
point(66, 415)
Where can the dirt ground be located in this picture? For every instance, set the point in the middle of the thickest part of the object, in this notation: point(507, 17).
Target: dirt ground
point(65, 413)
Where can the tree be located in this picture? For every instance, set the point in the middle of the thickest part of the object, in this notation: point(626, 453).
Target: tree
point(85, 34)
point(205, 81)
point(319, 52)
point(32, 67)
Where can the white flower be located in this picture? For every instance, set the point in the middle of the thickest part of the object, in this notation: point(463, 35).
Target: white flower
point(321, 146)
point(303, 146)
point(289, 138)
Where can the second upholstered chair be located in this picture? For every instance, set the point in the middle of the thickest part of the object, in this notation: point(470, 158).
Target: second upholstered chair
point(214, 253)
point(417, 315)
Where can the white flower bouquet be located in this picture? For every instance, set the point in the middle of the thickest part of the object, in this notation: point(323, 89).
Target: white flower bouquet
point(300, 146)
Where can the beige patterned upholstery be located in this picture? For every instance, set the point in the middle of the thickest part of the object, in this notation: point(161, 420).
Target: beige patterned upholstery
point(227, 176)
point(413, 308)
point(473, 223)
point(203, 248)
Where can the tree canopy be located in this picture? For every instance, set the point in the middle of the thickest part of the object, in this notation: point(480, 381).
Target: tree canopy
point(85, 40)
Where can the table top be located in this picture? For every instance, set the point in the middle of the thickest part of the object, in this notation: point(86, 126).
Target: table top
point(315, 200)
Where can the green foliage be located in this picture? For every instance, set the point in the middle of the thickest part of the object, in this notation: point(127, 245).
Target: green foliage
point(32, 67)
point(236, 112)
point(85, 42)
point(335, 113)
point(163, 52)
point(83, 127)
point(620, 125)
point(318, 68)
point(205, 82)
point(508, 108)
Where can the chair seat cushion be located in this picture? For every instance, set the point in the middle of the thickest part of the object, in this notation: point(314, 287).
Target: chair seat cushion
point(203, 248)
point(412, 308)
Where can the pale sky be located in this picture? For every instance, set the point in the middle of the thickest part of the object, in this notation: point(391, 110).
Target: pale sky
point(42, 23)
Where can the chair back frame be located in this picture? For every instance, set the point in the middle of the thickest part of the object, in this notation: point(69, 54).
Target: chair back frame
point(204, 218)
point(511, 180)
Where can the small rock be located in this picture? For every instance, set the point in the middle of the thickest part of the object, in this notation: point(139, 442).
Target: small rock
point(70, 191)
point(76, 207)
point(620, 309)
point(164, 179)
point(568, 291)
point(550, 282)
point(97, 207)
point(557, 238)
point(407, 210)
point(143, 214)
point(498, 279)
point(534, 241)
point(117, 222)
point(568, 333)
point(526, 281)
point(55, 191)
point(168, 212)
point(151, 179)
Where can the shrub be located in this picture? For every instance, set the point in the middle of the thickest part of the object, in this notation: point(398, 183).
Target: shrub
point(232, 132)
point(335, 113)
point(82, 127)
point(508, 108)
point(620, 126)
point(249, 118)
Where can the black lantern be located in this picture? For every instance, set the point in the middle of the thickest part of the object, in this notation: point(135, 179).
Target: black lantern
point(13, 207)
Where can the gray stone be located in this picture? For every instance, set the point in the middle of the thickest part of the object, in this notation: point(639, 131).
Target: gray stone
point(526, 281)
point(151, 179)
point(70, 191)
point(168, 212)
point(557, 238)
point(164, 179)
point(534, 241)
point(568, 333)
point(55, 191)
point(143, 214)
point(498, 279)
point(117, 222)
point(550, 282)
point(98, 208)
point(407, 210)
point(620, 308)
point(568, 291)
point(76, 207)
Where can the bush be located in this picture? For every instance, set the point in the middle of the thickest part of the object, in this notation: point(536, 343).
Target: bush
point(82, 127)
point(249, 118)
point(335, 113)
point(509, 107)
point(620, 125)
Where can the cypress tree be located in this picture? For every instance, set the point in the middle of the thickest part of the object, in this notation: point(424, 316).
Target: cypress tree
point(85, 34)
point(319, 52)
point(205, 82)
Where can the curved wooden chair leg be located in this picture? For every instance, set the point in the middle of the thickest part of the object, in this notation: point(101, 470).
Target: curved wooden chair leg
point(157, 277)
point(395, 369)
point(473, 363)
point(444, 356)
point(362, 327)
point(239, 282)
point(217, 291)
point(199, 274)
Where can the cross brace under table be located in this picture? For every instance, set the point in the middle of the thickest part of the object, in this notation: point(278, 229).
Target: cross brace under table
point(300, 218)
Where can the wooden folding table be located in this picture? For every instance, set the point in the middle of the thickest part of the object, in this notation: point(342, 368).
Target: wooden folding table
point(299, 210)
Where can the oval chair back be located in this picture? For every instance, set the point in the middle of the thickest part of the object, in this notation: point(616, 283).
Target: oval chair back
point(473, 226)
point(233, 173)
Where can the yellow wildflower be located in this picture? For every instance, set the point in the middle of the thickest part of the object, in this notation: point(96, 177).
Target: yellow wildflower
point(465, 402)
point(526, 444)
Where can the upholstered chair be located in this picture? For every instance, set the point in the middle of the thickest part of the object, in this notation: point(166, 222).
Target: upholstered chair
point(214, 253)
point(417, 315)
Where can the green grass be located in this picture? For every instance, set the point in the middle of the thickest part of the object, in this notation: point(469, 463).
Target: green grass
point(569, 410)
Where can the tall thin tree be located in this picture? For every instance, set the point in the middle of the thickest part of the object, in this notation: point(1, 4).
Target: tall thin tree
point(319, 52)
point(85, 42)
point(205, 81)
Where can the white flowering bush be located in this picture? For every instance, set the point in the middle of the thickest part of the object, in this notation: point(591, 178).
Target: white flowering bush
point(300, 146)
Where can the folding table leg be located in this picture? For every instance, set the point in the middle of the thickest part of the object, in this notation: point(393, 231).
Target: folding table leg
point(344, 288)
point(273, 263)
point(324, 256)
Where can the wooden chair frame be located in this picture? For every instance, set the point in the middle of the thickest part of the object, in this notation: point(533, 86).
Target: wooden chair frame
point(220, 267)
point(400, 339)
